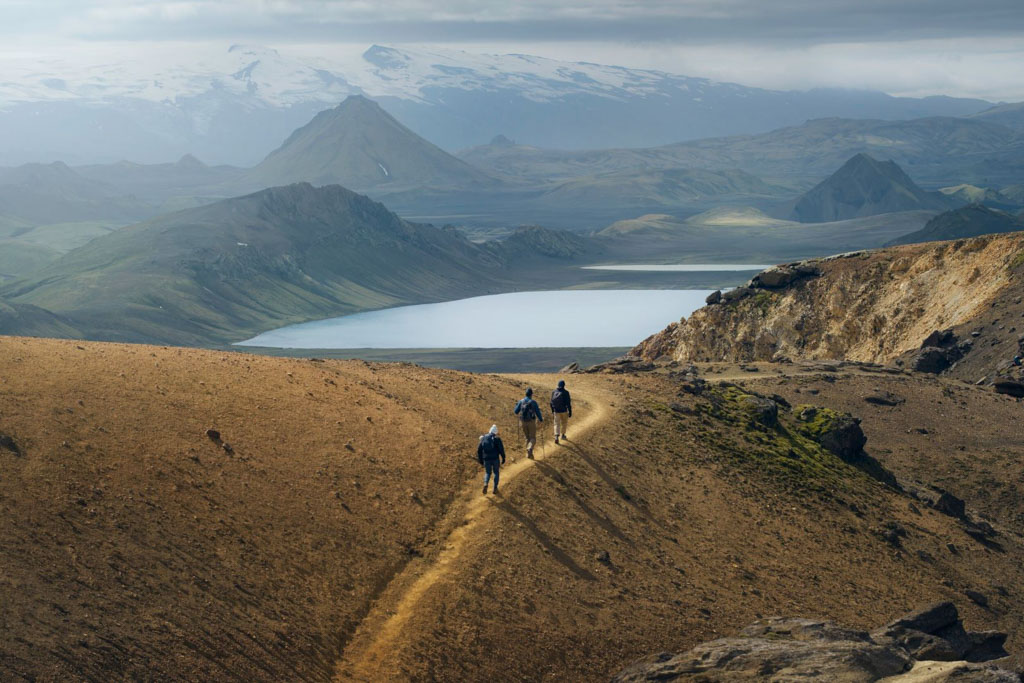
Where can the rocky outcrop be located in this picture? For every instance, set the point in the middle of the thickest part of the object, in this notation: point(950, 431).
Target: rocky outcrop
point(784, 649)
point(867, 306)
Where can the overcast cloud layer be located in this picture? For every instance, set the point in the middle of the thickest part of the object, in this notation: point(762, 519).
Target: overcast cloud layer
point(912, 47)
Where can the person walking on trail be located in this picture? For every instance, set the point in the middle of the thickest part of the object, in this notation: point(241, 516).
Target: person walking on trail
point(561, 409)
point(491, 454)
point(529, 415)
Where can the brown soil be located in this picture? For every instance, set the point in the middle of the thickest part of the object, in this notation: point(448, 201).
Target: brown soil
point(137, 547)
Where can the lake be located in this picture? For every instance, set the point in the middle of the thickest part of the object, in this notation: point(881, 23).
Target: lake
point(562, 318)
point(681, 268)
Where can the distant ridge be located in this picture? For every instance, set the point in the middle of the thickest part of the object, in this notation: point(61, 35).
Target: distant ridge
point(968, 221)
point(864, 186)
point(360, 146)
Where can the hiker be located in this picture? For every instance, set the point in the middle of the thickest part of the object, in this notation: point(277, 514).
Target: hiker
point(529, 415)
point(491, 454)
point(561, 409)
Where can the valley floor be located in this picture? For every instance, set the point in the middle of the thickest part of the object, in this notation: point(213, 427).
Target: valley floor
point(342, 534)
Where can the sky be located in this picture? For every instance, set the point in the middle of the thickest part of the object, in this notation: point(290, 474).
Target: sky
point(904, 47)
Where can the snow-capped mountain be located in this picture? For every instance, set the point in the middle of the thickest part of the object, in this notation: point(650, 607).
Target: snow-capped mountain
point(234, 105)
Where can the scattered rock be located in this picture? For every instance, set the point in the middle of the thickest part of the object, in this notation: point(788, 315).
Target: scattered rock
point(8, 444)
point(939, 351)
point(714, 298)
point(603, 556)
point(948, 504)
point(977, 598)
point(805, 649)
point(884, 399)
point(783, 276)
point(736, 294)
point(228, 448)
point(213, 434)
point(1009, 387)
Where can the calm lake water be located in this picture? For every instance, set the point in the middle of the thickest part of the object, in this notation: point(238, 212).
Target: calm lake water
point(682, 267)
point(602, 317)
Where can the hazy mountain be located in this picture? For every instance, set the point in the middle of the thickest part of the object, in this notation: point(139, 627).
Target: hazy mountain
point(946, 150)
point(1010, 115)
point(669, 187)
point(54, 193)
point(187, 177)
point(967, 221)
point(234, 105)
point(360, 146)
point(227, 270)
point(864, 186)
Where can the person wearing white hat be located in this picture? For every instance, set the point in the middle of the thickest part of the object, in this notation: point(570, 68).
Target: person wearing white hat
point(491, 455)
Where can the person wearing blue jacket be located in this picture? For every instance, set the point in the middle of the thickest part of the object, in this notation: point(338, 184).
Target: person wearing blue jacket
point(491, 454)
point(529, 415)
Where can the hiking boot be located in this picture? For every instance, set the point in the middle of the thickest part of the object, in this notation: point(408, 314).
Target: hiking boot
point(485, 489)
point(495, 490)
point(556, 440)
point(564, 437)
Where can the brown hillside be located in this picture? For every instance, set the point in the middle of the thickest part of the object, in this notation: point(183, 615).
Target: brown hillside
point(705, 530)
point(137, 547)
point(868, 306)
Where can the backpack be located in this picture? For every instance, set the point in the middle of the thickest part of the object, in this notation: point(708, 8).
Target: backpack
point(487, 446)
point(558, 402)
point(524, 409)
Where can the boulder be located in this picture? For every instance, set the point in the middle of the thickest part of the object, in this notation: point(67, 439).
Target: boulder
point(785, 649)
point(939, 351)
point(1010, 387)
point(762, 410)
point(838, 433)
point(571, 369)
point(714, 298)
point(778, 277)
point(948, 504)
point(736, 294)
point(884, 398)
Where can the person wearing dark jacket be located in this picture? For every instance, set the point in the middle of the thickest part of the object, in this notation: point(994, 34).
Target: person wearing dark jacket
point(561, 409)
point(491, 454)
point(529, 415)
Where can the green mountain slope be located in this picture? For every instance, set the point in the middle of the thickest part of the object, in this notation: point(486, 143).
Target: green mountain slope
point(864, 186)
point(225, 271)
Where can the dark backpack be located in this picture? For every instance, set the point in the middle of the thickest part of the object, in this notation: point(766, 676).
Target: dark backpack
point(525, 410)
point(558, 402)
point(488, 448)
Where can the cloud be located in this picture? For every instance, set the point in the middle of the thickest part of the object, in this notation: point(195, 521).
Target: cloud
point(908, 46)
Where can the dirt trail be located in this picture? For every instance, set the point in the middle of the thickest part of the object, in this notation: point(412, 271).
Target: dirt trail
point(365, 657)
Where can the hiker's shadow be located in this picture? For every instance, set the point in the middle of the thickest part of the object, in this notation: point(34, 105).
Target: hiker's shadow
point(560, 555)
point(613, 483)
point(555, 475)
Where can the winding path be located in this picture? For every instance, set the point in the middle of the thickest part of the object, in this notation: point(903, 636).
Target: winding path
point(377, 634)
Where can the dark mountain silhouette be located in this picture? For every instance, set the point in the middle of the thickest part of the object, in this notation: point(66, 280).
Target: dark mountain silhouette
point(360, 146)
point(865, 186)
point(967, 221)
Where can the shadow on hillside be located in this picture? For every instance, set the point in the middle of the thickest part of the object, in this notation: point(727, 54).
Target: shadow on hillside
point(545, 540)
point(558, 477)
point(616, 485)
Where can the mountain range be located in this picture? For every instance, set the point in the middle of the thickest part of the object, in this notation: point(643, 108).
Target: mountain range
point(225, 271)
point(234, 105)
